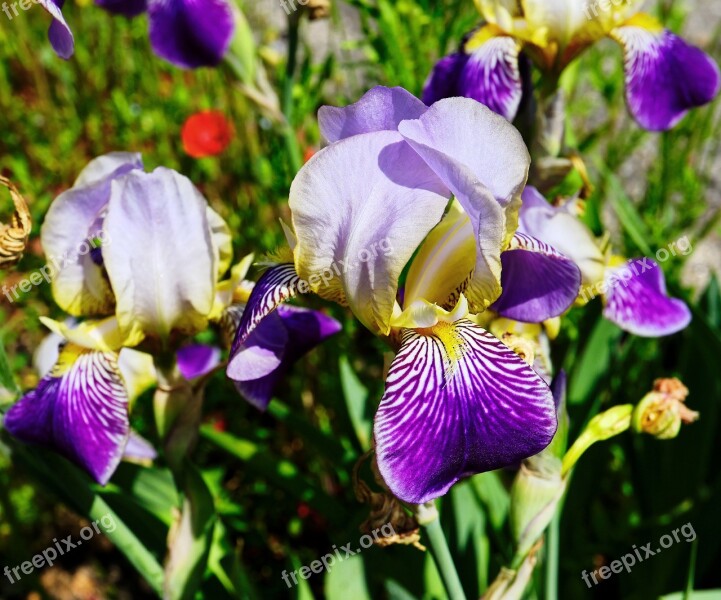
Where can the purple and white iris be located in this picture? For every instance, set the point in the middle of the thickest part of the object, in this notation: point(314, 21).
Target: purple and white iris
point(665, 76)
point(154, 282)
point(438, 188)
point(634, 291)
point(186, 33)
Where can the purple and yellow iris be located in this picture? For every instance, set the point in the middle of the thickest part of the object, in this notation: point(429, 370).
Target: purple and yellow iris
point(154, 282)
point(633, 291)
point(665, 76)
point(186, 33)
point(409, 218)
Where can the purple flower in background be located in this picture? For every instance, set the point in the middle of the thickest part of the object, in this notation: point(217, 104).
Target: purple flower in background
point(60, 36)
point(457, 400)
point(187, 33)
point(633, 291)
point(665, 76)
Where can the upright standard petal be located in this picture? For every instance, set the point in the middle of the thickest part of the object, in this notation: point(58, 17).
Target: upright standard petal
point(445, 79)
point(60, 36)
point(277, 342)
point(79, 410)
point(538, 282)
point(74, 230)
point(380, 109)
point(457, 402)
point(127, 8)
point(636, 300)
point(484, 162)
point(361, 208)
point(161, 263)
point(191, 33)
point(665, 76)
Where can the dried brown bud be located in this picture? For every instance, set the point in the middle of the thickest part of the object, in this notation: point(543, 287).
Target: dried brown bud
point(14, 237)
point(662, 411)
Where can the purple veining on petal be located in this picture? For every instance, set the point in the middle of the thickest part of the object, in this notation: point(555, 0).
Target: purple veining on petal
point(665, 76)
point(275, 286)
point(127, 8)
point(538, 282)
point(191, 33)
point(442, 419)
point(80, 410)
point(380, 109)
point(490, 74)
point(636, 300)
point(278, 341)
point(197, 360)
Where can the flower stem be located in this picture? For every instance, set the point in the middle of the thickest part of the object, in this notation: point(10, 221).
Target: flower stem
point(428, 517)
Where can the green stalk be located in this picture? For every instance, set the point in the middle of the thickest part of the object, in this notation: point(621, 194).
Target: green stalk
point(291, 141)
point(552, 553)
point(428, 518)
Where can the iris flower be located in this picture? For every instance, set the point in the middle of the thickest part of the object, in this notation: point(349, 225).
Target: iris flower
point(665, 76)
point(374, 229)
point(633, 291)
point(187, 33)
point(153, 282)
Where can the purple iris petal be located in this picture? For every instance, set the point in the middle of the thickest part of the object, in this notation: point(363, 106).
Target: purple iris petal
point(490, 74)
point(60, 36)
point(139, 449)
point(191, 33)
point(128, 8)
point(275, 344)
point(445, 417)
point(80, 410)
point(444, 81)
point(637, 302)
point(380, 109)
point(665, 76)
point(275, 286)
point(538, 282)
point(197, 360)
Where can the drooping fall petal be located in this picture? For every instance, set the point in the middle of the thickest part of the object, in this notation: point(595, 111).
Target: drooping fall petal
point(457, 402)
point(637, 301)
point(665, 76)
point(538, 282)
point(79, 410)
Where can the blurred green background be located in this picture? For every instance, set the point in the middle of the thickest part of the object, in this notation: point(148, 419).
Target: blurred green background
point(282, 481)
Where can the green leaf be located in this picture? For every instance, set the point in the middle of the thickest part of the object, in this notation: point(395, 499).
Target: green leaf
point(356, 399)
point(282, 473)
point(347, 579)
point(630, 220)
point(190, 539)
point(74, 488)
point(225, 564)
point(593, 364)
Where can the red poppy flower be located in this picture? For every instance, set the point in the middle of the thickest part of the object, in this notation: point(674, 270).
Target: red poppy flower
point(206, 133)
